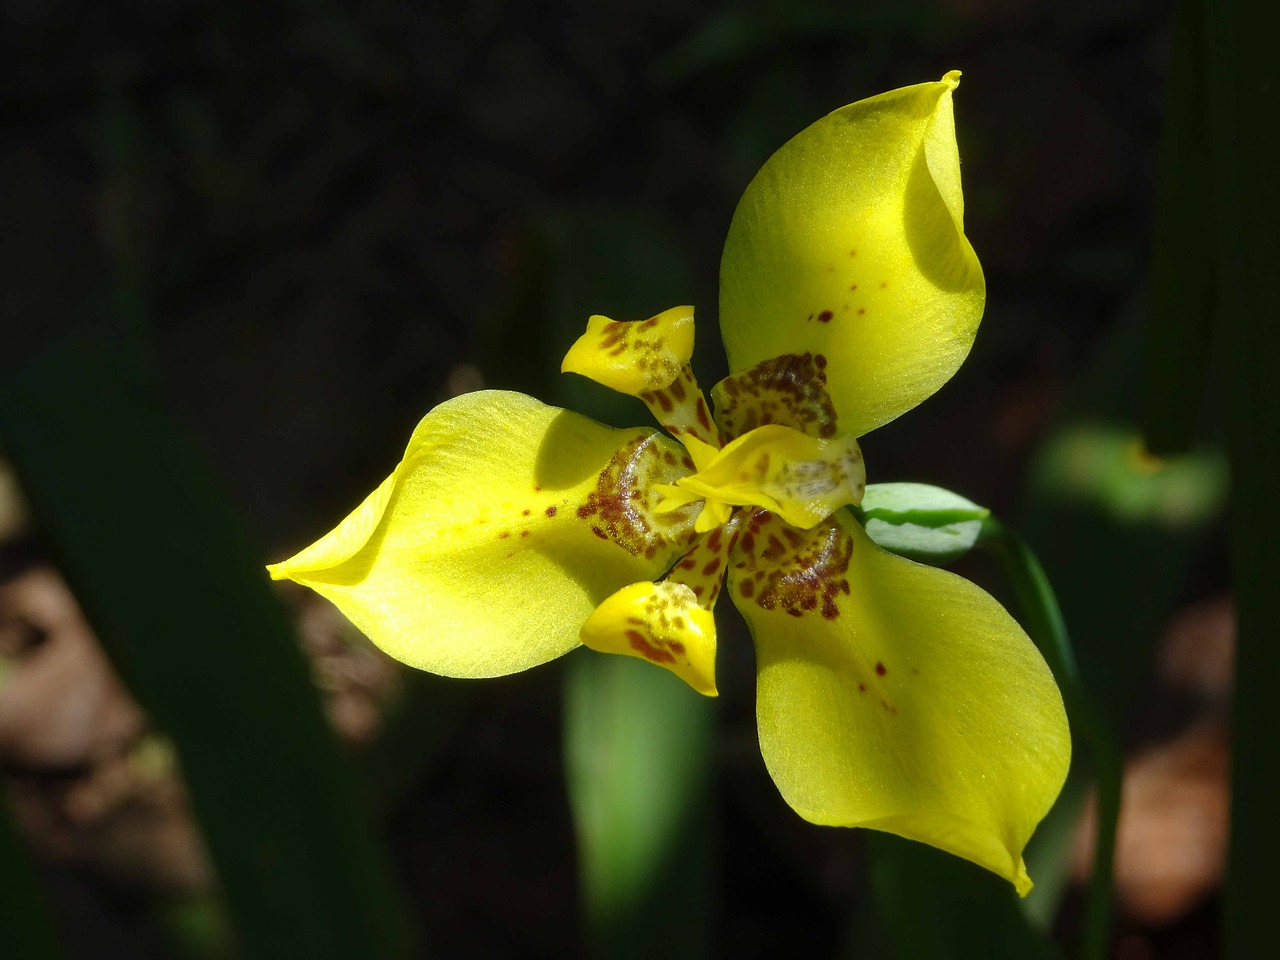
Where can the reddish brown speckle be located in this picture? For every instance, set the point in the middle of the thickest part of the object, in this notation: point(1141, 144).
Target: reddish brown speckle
point(504, 534)
point(883, 284)
point(881, 670)
point(711, 567)
point(853, 253)
point(524, 533)
point(551, 511)
point(524, 513)
point(861, 311)
point(647, 649)
point(746, 588)
point(862, 688)
point(537, 488)
point(854, 287)
point(825, 316)
point(789, 389)
point(600, 533)
point(676, 647)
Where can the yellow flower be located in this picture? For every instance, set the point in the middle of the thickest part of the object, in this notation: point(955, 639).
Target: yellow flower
point(891, 695)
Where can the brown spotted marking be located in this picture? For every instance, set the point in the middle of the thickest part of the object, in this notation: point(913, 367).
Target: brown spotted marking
point(648, 352)
point(654, 635)
point(649, 651)
point(790, 390)
point(681, 409)
point(798, 571)
point(702, 568)
point(620, 509)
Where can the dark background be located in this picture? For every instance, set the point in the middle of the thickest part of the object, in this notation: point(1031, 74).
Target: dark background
point(336, 215)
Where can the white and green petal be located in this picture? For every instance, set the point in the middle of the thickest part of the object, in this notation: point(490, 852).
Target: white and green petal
point(849, 245)
point(897, 696)
point(504, 525)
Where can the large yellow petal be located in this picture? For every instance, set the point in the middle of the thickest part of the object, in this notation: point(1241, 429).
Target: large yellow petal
point(499, 532)
point(897, 696)
point(849, 244)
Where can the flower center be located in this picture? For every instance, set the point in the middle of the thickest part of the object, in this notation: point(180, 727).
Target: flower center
point(801, 478)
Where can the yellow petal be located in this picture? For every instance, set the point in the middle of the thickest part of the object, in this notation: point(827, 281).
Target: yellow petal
point(849, 244)
point(897, 696)
point(801, 478)
point(636, 355)
point(504, 525)
point(662, 623)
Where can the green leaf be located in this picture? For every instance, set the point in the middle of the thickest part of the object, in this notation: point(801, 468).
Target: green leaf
point(920, 522)
point(183, 608)
point(637, 743)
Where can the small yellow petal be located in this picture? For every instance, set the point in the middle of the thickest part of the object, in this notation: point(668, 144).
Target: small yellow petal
point(634, 356)
point(662, 623)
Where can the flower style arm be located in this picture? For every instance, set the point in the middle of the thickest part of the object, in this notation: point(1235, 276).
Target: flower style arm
point(504, 525)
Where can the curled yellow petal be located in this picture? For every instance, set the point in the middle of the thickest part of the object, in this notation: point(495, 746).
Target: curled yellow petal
point(636, 355)
point(662, 623)
point(897, 696)
point(504, 525)
point(849, 244)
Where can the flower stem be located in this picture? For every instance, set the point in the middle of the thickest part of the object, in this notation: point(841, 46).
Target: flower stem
point(1048, 630)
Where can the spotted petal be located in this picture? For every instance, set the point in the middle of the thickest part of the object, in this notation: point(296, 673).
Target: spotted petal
point(849, 244)
point(897, 696)
point(499, 532)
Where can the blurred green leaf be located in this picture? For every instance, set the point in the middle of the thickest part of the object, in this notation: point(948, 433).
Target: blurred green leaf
point(1244, 143)
point(183, 607)
point(637, 743)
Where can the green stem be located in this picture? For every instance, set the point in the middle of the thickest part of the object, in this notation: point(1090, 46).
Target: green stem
point(1049, 632)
